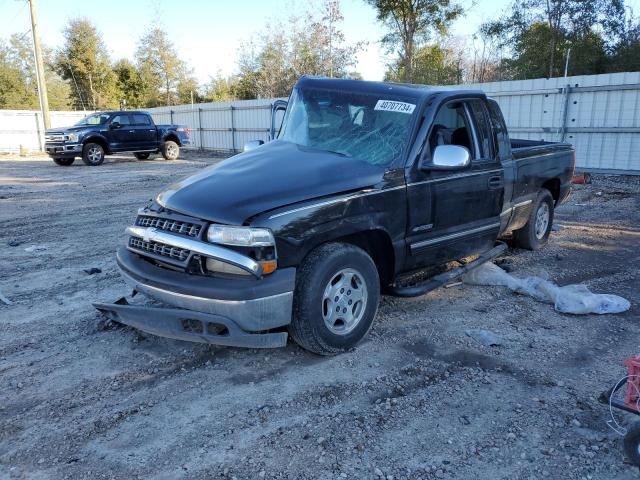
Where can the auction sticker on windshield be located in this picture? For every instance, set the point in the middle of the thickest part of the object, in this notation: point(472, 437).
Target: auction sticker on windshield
point(391, 106)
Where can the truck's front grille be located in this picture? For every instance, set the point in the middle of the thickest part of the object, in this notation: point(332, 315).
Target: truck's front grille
point(54, 137)
point(158, 249)
point(174, 226)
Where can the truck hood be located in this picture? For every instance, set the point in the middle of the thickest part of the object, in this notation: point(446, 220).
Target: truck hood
point(71, 129)
point(274, 175)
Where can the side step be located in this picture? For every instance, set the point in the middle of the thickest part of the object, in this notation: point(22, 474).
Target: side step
point(446, 277)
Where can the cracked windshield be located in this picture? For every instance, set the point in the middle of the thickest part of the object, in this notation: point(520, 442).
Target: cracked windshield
point(368, 127)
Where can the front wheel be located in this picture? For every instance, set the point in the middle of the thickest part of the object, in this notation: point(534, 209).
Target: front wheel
point(63, 162)
point(336, 299)
point(170, 150)
point(142, 155)
point(535, 234)
point(93, 154)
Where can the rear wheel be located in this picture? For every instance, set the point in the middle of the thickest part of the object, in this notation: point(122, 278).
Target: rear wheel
point(63, 162)
point(142, 155)
point(93, 154)
point(170, 150)
point(535, 234)
point(336, 299)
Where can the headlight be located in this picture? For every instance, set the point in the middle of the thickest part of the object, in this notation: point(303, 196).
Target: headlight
point(72, 137)
point(240, 236)
point(257, 243)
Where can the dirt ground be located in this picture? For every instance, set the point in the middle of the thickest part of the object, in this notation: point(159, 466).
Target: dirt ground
point(418, 399)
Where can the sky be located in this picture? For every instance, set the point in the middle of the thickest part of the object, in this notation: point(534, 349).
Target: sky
point(207, 33)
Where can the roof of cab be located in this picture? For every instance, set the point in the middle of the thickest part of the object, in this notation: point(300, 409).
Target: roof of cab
point(418, 92)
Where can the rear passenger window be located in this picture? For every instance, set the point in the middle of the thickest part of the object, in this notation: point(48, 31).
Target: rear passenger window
point(121, 119)
point(139, 119)
point(503, 144)
point(483, 129)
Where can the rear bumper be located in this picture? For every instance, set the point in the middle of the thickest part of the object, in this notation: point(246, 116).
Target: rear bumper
point(241, 306)
point(59, 150)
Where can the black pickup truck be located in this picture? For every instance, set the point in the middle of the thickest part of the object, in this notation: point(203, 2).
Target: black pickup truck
point(105, 133)
point(365, 184)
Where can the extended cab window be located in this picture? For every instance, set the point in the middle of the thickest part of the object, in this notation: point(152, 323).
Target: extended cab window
point(121, 119)
point(502, 142)
point(140, 119)
point(483, 129)
point(367, 127)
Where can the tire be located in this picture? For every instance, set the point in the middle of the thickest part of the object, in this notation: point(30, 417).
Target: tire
point(64, 162)
point(535, 234)
point(631, 444)
point(170, 150)
point(93, 154)
point(316, 326)
point(142, 155)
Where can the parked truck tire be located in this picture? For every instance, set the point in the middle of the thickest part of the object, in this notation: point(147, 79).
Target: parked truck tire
point(170, 150)
point(142, 155)
point(63, 162)
point(93, 154)
point(535, 234)
point(336, 298)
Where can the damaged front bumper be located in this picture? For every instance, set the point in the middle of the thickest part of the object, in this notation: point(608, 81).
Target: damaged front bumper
point(222, 311)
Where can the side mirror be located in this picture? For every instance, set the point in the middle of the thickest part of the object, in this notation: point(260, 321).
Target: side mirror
point(449, 157)
point(277, 106)
point(115, 125)
point(253, 144)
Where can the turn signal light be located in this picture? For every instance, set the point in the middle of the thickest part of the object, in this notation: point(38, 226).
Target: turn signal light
point(268, 266)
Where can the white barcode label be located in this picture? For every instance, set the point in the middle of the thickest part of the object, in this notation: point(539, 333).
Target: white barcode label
point(391, 106)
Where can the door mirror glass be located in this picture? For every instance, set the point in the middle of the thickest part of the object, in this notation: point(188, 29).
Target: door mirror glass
point(253, 144)
point(277, 116)
point(449, 157)
point(115, 125)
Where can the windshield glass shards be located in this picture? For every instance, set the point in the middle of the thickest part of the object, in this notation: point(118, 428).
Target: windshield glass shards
point(367, 127)
point(94, 119)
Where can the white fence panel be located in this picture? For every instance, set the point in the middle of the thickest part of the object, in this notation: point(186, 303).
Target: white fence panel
point(25, 128)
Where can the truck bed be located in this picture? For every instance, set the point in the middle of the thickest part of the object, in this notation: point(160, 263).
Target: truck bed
point(522, 148)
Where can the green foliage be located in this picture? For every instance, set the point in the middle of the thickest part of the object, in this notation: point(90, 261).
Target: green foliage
point(433, 65)
point(539, 34)
point(84, 62)
point(410, 24)
point(165, 78)
point(313, 45)
point(129, 84)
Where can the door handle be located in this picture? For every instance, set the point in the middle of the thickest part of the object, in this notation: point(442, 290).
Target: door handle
point(495, 182)
point(132, 131)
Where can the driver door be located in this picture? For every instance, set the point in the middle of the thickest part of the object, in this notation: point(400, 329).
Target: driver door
point(120, 133)
point(456, 213)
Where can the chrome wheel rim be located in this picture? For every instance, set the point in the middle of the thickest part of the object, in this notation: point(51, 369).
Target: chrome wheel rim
point(94, 154)
point(344, 301)
point(172, 151)
point(542, 220)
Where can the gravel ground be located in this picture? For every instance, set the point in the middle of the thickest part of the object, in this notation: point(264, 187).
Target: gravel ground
point(83, 398)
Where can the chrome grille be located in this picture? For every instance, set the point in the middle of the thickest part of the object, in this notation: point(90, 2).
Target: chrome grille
point(169, 225)
point(159, 249)
point(54, 137)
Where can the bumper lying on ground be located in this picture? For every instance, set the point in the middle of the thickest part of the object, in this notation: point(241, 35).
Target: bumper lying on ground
point(190, 326)
point(220, 311)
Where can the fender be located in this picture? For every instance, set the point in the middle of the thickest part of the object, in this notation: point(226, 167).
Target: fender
point(97, 138)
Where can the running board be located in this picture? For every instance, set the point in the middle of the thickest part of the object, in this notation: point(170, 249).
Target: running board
point(446, 277)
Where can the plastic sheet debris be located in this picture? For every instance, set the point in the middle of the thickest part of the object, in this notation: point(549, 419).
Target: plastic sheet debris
point(35, 248)
point(485, 337)
point(575, 299)
point(5, 300)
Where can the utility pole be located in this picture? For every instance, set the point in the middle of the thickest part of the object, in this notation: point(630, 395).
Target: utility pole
point(42, 85)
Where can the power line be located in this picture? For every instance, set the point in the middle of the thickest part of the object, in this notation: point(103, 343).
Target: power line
point(17, 13)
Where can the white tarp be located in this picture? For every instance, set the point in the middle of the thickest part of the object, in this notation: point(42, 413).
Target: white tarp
point(568, 299)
